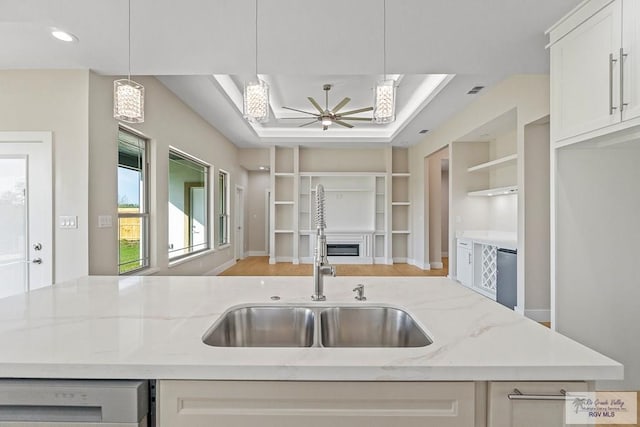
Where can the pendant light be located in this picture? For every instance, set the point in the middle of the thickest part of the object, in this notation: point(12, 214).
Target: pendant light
point(128, 96)
point(256, 93)
point(384, 110)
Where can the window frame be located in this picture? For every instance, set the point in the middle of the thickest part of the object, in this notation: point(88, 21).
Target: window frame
point(144, 215)
point(207, 192)
point(223, 210)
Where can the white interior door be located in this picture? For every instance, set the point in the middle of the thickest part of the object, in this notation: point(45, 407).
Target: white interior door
point(26, 212)
point(239, 223)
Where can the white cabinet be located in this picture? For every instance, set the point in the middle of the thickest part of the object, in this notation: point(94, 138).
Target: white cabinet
point(528, 409)
point(464, 262)
point(315, 404)
point(595, 70)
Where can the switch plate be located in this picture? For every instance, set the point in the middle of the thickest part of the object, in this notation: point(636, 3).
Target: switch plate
point(105, 221)
point(68, 221)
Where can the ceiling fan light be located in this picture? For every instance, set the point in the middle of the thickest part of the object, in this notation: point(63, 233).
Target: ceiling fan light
point(256, 102)
point(128, 101)
point(326, 121)
point(384, 110)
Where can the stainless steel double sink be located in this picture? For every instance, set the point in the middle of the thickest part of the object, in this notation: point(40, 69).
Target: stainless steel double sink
point(315, 326)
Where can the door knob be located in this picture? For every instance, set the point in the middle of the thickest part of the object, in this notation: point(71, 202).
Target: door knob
point(37, 261)
point(37, 247)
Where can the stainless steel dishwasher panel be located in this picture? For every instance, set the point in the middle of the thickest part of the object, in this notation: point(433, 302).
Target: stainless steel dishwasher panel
point(81, 403)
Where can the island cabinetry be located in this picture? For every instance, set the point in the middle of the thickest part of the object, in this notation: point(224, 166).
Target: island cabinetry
point(535, 404)
point(295, 403)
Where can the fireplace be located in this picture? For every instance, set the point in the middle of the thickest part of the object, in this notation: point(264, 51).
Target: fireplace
point(343, 249)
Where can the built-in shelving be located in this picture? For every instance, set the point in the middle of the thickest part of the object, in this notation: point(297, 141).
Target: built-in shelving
point(282, 231)
point(497, 191)
point(284, 202)
point(401, 232)
point(400, 174)
point(400, 203)
point(284, 174)
point(486, 166)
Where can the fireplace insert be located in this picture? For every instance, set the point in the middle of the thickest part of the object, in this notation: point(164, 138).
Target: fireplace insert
point(343, 249)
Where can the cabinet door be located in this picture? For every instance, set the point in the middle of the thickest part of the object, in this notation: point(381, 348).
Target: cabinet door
point(464, 266)
point(631, 62)
point(502, 412)
point(315, 404)
point(584, 75)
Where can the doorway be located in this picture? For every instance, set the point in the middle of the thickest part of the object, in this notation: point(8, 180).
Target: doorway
point(239, 223)
point(436, 186)
point(26, 212)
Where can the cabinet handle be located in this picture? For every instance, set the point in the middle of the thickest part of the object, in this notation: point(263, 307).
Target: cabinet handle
point(612, 60)
point(622, 56)
point(518, 395)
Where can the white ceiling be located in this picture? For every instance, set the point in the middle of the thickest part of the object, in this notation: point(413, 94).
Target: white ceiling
point(302, 44)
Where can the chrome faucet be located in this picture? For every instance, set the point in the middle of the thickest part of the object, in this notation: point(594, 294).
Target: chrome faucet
point(359, 290)
point(321, 266)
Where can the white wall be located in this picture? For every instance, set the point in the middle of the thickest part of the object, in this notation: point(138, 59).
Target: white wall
point(168, 122)
point(444, 217)
point(597, 253)
point(342, 160)
point(258, 183)
point(528, 93)
point(56, 101)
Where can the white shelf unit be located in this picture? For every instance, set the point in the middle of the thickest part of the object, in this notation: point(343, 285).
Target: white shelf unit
point(400, 205)
point(497, 191)
point(284, 199)
point(494, 164)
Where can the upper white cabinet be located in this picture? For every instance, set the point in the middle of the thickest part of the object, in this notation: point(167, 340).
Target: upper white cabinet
point(595, 84)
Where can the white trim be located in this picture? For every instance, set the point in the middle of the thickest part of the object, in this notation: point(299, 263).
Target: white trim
point(219, 269)
point(400, 260)
point(437, 265)
point(145, 272)
point(538, 315)
point(380, 260)
point(282, 259)
point(418, 264)
point(272, 260)
point(188, 258)
point(239, 246)
point(256, 253)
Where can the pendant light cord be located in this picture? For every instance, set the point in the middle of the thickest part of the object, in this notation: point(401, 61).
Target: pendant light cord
point(257, 40)
point(129, 45)
point(384, 39)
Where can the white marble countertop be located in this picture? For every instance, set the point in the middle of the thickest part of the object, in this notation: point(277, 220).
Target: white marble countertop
point(151, 327)
point(501, 239)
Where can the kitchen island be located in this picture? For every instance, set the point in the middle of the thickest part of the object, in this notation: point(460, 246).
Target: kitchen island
point(152, 327)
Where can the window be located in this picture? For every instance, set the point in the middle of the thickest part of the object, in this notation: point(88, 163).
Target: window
point(133, 210)
point(223, 208)
point(188, 205)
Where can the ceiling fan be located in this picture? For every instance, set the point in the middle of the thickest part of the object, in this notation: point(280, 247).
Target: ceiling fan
point(326, 116)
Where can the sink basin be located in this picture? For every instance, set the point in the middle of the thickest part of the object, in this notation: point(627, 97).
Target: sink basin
point(370, 327)
point(315, 326)
point(263, 326)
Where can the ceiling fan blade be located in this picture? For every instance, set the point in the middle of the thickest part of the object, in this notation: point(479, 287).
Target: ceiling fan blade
point(340, 105)
point(299, 111)
point(362, 119)
point(359, 110)
point(315, 104)
point(307, 124)
point(341, 123)
point(293, 118)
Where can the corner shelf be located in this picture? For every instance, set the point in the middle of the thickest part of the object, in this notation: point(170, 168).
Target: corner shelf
point(289, 174)
point(498, 191)
point(503, 161)
point(283, 231)
point(400, 174)
point(283, 202)
point(400, 203)
point(400, 232)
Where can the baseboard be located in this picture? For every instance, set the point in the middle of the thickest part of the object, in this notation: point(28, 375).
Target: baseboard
point(256, 253)
point(419, 264)
point(538, 315)
point(295, 261)
point(380, 260)
point(283, 259)
point(219, 269)
point(399, 260)
point(437, 265)
point(272, 260)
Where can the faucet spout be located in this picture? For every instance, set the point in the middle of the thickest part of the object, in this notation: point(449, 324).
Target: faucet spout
point(321, 266)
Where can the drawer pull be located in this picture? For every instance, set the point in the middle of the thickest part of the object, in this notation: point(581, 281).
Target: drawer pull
point(518, 395)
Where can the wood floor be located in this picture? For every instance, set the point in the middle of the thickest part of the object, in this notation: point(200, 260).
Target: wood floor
point(259, 266)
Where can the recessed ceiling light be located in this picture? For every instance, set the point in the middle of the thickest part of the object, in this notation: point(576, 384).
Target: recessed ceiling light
point(263, 168)
point(63, 35)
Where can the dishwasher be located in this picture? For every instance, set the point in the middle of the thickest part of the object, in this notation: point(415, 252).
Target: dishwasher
point(73, 403)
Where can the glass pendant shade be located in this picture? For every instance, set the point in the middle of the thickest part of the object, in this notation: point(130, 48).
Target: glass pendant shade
point(384, 110)
point(128, 101)
point(256, 102)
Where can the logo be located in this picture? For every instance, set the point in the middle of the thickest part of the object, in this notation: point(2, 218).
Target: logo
point(601, 407)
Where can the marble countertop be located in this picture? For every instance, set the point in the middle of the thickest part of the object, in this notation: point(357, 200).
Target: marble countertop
point(501, 239)
point(151, 327)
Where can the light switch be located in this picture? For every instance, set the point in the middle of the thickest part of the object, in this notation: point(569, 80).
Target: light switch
point(68, 221)
point(105, 221)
